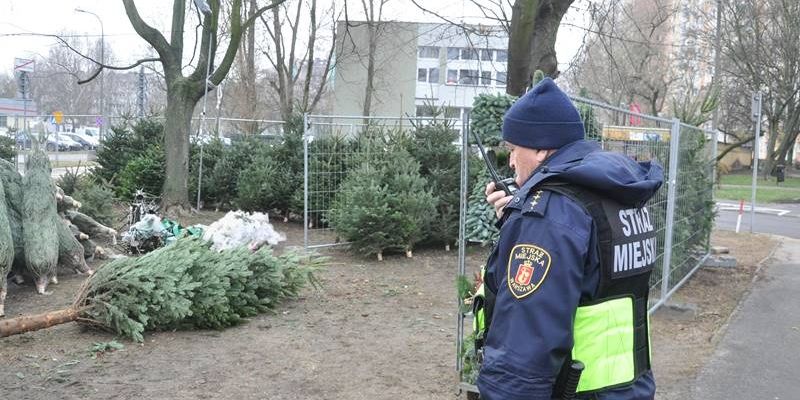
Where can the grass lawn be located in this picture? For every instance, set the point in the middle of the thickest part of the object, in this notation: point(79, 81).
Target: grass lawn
point(737, 187)
point(742, 179)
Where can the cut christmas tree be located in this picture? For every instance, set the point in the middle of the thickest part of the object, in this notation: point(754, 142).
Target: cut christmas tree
point(38, 216)
point(183, 286)
point(384, 204)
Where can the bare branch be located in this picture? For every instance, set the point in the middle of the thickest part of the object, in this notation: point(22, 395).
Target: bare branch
point(102, 66)
point(151, 35)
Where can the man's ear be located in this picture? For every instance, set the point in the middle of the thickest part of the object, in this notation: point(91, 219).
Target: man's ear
point(542, 155)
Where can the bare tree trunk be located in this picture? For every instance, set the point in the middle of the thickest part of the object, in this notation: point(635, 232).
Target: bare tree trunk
point(180, 106)
point(30, 323)
point(545, 29)
point(769, 162)
point(523, 20)
point(250, 68)
point(370, 87)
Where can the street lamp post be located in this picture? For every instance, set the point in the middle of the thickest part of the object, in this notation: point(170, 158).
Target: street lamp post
point(102, 75)
point(202, 5)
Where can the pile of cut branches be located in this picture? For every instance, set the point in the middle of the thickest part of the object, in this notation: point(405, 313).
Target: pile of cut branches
point(183, 286)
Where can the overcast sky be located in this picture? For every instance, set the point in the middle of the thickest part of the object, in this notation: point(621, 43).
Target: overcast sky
point(55, 16)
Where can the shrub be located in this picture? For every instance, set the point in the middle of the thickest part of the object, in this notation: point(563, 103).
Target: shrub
point(263, 186)
point(212, 153)
point(223, 178)
point(271, 181)
point(145, 171)
point(68, 182)
point(96, 199)
point(123, 145)
point(440, 165)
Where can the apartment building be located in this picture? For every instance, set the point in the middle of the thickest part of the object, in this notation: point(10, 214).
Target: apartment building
point(417, 65)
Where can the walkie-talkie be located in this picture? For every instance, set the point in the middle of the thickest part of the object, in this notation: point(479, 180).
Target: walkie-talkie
point(507, 185)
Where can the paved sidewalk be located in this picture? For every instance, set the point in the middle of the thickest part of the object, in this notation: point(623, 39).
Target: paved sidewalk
point(759, 354)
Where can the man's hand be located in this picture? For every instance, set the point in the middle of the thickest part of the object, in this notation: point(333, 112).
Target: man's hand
point(497, 198)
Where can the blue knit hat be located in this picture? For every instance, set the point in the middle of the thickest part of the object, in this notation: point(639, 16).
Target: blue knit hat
point(542, 119)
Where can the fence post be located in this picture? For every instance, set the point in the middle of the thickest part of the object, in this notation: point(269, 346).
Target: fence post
point(305, 181)
point(462, 230)
point(713, 160)
point(672, 181)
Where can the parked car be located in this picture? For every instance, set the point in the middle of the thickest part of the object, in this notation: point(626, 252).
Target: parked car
point(65, 143)
point(86, 142)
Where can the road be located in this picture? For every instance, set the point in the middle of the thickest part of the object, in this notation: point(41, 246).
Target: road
point(72, 156)
point(776, 219)
point(758, 356)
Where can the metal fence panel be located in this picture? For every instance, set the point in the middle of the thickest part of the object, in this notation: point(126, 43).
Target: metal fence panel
point(333, 145)
point(644, 138)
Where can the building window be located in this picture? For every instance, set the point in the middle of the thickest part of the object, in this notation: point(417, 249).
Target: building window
point(425, 111)
point(452, 112)
point(428, 75)
point(486, 78)
point(3, 121)
point(501, 79)
point(502, 55)
point(433, 75)
point(453, 53)
point(469, 54)
point(428, 52)
point(468, 76)
point(452, 77)
point(487, 55)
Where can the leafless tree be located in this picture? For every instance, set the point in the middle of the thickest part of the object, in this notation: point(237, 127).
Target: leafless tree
point(628, 57)
point(760, 50)
point(8, 87)
point(184, 91)
point(532, 27)
point(375, 28)
point(293, 54)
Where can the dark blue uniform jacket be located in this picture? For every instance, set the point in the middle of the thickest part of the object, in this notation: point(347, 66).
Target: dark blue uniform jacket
point(531, 331)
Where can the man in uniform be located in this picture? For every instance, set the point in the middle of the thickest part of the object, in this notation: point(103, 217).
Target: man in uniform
point(568, 278)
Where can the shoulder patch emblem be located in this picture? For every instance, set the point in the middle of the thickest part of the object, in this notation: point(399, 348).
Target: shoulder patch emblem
point(527, 267)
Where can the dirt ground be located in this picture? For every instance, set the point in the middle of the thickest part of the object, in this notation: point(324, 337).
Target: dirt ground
point(372, 331)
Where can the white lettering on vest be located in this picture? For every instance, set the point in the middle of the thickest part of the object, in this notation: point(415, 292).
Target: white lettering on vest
point(626, 227)
point(634, 255)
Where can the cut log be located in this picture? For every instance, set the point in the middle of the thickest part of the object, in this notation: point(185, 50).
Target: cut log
point(70, 251)
point(65, 202)
point(19, 325)
point(89, 226)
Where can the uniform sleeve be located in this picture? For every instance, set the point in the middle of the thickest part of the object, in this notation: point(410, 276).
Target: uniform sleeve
point(538, 272)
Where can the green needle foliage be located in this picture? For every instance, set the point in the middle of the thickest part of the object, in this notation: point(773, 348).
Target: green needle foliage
point(384, 204)
point(487, 116)
point(189, 286)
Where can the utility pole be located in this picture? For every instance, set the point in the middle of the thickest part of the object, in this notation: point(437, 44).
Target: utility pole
point(203, 7)
point(756, 105)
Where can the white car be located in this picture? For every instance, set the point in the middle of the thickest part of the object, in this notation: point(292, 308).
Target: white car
point(65, 143)
point(87, 142)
